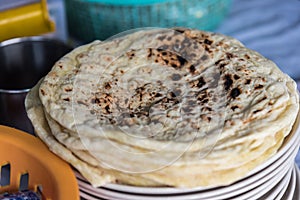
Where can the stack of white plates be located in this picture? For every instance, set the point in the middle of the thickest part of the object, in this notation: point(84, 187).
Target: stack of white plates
point(278, 178)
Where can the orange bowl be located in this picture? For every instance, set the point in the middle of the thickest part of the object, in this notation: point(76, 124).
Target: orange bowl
point(26, 154)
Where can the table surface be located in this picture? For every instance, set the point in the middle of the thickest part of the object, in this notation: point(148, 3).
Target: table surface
point(270, 27)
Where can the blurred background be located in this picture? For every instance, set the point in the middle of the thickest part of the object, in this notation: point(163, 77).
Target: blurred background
point(271, 27)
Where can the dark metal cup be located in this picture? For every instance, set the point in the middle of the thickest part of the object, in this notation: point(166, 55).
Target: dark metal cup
point(23, 62)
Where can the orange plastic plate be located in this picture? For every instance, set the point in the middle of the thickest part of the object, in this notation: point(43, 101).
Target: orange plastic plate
point(27, 154)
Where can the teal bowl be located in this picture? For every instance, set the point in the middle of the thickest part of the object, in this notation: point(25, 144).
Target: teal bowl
point(99, 19)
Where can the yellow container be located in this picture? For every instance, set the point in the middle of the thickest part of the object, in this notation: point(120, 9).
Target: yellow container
point(27, 20)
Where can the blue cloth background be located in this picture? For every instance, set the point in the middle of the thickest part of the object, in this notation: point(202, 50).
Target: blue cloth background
point(271, 27)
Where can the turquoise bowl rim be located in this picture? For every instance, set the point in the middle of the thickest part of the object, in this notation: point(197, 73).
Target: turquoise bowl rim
point(127, 2)
point(95, 13)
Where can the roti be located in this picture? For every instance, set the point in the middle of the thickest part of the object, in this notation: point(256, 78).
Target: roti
point(173, 107)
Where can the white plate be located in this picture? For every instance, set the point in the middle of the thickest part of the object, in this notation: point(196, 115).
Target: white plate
point(87, 196)
point(297, 184)
point(278, 191)
point(258, 178)
point(260, 188)
point(275, 170)
point(293, 188)
point(290, 143)
point(292, 185)
point(277, 181)
point(235, 189)
point(290, 192)
point(263, 184)
point(87, 193)
point(263, 176)
point(273, 178)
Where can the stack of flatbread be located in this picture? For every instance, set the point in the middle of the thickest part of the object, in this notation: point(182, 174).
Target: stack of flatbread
point(164, 107)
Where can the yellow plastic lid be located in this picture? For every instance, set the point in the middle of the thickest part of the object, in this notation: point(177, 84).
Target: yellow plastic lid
point(27, 20)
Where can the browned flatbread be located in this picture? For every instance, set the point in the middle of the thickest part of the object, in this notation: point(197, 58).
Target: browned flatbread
point(182, 108)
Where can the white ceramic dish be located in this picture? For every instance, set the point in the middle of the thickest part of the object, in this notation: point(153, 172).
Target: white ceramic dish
point(262, 176)
point(260, 189)
point(281, 188)
point(89, 194)
point(289, 145)
point(86, 196)
point(263, 186)
point(258, 192)
point(233, 190)
point(278, 191)
point(267, 180)
point(293, 184)
point(293, 189)
point(297, 184)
